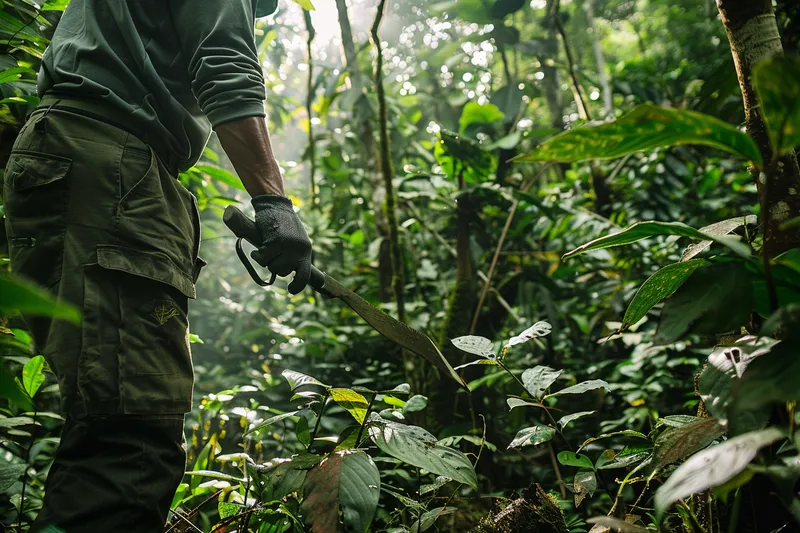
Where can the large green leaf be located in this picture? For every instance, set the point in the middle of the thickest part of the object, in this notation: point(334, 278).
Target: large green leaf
point(456, 154)
point(298, 379)
point(580, 388)
point(715, 299)
point(645, 230)
point(538, 379)
point(657, 287)
point(676, 443)
point(20, 297)
point(352, 402)
point(572, 459)
point(33, 375)
point(475, 113)
point(777, 83)
point(644, 128)
point(713, 467)
point(348, 481)
point(532, 436)
point(417, 447)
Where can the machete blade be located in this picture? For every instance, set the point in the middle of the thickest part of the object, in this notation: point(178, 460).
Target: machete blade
point(392, 329)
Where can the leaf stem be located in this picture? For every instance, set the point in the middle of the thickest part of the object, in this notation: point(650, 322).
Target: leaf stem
point(319, 418)
point(366, 417)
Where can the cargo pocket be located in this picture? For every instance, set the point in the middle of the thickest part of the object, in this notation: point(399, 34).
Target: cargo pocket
point(35, 202)
point(136, 353)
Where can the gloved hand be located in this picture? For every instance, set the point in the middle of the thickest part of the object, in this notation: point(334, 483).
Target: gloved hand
point(285, 246)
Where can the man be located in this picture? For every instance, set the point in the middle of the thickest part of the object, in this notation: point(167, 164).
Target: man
point(130, 92)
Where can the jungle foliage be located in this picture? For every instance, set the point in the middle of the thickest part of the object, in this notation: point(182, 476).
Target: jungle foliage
point(572, 198)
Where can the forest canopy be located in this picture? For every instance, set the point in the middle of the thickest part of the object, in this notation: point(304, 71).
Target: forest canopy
point(590, 210)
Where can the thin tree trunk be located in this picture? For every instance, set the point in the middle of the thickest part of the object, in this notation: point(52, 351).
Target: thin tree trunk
point(602, 76)
point(312, 159)
point(552, 85)
point(363, 126)
point(753, 34)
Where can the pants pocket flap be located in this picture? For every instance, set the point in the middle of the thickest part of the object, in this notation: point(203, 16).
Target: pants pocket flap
point(33, 170)
point(152, 265)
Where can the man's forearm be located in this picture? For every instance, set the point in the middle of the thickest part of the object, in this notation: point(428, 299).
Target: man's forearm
point(247, 144)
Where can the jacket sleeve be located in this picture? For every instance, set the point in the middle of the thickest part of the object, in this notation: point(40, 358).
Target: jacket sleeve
point(217, 39)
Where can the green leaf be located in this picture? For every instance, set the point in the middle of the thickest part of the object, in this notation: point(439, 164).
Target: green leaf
point(540, 329)
point(298, 379)
point(645, 230)
point(607, 457)
point(211, 474)
point(580, 388)
point(573, 459)
point(9, 474)
point(777, 83)
point(538, 379)
point(474, 344)
point(657, 287)
point(509, 100)
point(584, 484)
point(676, 443)
point(352, 402)
point(414, 404)
point(532, 436)
point(646, 127)
point(221, 175)
point(428, 518)
point(348, 481)
point(475, 113)
point(227, 509)
point(564, 420)
point(715, 299)
point(14, 73)
point(417, 447)
point(513, 403)
point(13, 391)
point(713, 467)
point(305, 4)
point(302, 432)
point(718, 229)
point(457, 154)
point(502, 8)
point(33, 375)
point(20, 297)
point(271, 420)
point(625, 433)
point(725, 366)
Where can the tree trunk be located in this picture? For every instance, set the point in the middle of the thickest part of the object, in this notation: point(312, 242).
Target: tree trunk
point(363, 126)
point(312, 158)
point(552, 86)
point(602, 76)
point(753, 34)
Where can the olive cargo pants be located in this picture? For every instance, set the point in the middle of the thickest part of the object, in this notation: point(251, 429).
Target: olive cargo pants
point(97, 219)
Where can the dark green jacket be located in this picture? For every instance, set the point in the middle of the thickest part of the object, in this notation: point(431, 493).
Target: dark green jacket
point(177, 67)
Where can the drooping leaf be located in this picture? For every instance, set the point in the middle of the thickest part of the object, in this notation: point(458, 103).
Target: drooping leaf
point(417, 447)
point(713, 467)
point(645, 230)
point(298, 379)
point(414, 404)
point(726, 365)
point(564, 420)
point(428, 518)
point(657, 287)
point(580, 388)
point(475, 113)
point(474, 344)
point(33, 375)
point(540, 329)
point(777, 83)
point(268, 422)
point(532, 436)
point(302, 431)
point(715, 299)
point(677, 443)
point(305, 4)
point(20, 297)
point(352, 402)
point(718, 229)
point(501, 8)
point(212, 474)
point(584, 484)
point(567, 458)
point(538, 379)
point(348, 481)
point(646, 127)
point(513, 403)
point(623, 433)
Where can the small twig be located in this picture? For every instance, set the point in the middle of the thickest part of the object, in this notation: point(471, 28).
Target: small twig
point(319, 419)
point(366, 417)
point(193, 511)
point(562, 485)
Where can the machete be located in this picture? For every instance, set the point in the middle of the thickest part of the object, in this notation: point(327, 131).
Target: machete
point(392, 329)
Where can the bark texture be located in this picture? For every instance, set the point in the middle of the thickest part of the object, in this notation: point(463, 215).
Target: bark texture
point(535, 512)
point(753, 34)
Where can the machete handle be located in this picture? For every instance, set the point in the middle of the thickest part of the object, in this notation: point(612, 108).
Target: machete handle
point(246, 229)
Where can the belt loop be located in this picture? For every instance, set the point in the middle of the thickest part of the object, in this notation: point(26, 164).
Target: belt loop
point(41, 126)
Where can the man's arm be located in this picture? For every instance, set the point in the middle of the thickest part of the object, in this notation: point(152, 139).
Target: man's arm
point(246, 141)
point(217, 38)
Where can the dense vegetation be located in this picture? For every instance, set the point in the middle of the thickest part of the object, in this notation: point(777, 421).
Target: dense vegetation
point(595, 220)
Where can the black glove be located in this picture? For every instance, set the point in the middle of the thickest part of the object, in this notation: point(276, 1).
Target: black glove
point(285, 246)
